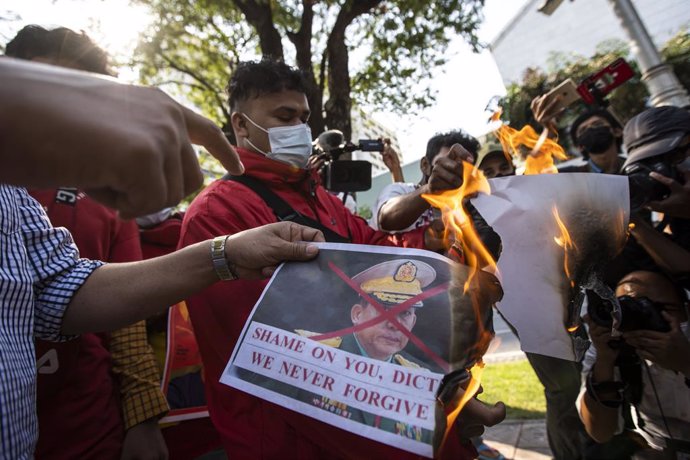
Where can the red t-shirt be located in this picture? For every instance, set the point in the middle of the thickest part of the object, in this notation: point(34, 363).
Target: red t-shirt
point(78, 404)
point(250, 427)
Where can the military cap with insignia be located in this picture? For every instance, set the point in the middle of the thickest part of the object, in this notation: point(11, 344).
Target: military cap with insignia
point(395, 281)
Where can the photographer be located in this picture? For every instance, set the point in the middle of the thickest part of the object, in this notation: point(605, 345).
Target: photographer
point(596, 133)
point(647, 369)
point(658, 143)
point(677, 202)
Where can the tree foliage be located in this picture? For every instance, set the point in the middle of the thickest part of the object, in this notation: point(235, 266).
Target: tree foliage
point(677, 53)
point(626, 101)
point(194, 44)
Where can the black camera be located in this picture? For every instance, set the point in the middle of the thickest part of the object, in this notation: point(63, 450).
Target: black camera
point(643, 188)
point(345, 175)
point(631, 313)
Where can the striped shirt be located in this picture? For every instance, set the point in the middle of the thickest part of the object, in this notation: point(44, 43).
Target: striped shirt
point(40, 271)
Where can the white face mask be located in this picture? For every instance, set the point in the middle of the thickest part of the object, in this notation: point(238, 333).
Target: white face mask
point(289, 144)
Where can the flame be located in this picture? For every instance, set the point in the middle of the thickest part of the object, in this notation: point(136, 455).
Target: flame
point(458, 223)
point(470, 391)
point(460, 229)
point(542, 149)
point(565, 242)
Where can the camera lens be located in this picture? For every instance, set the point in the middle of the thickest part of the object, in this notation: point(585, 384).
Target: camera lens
point(644, 188)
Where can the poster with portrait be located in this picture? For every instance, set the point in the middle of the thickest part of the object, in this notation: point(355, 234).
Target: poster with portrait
point(357, 338)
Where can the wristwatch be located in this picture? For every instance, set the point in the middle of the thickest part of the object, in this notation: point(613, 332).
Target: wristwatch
point(224, 270)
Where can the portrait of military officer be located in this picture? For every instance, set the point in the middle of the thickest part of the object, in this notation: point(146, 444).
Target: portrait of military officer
point(389, 284)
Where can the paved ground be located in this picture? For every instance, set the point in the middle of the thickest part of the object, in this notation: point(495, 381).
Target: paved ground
point(515, 439)
point(520, 440)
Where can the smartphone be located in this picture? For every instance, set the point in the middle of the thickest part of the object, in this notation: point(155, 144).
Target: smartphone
point(605, 80)
point(567, 91)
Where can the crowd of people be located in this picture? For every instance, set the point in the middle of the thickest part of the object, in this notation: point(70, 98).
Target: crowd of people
point(82, 154)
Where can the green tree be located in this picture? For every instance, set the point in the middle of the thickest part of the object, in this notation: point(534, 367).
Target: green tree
point(677, 53)
point(626, 101)
point(194, 44)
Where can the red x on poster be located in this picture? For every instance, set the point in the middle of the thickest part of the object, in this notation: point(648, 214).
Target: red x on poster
point(358, 338)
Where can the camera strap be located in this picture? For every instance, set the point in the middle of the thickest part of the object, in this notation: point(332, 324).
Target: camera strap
point(283, 211)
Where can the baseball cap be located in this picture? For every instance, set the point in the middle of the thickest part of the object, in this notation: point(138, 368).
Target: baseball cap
point(654, 132)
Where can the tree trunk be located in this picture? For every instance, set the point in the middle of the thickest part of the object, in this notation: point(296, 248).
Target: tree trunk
point(302, 41)
point(339, 103)
point(260, 16)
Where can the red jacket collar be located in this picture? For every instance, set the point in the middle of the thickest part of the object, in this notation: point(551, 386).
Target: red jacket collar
point(271, 171)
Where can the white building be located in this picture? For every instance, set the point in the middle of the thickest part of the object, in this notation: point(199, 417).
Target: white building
point(577, 27)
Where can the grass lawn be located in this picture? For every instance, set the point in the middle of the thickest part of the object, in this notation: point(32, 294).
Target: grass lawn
point(517, 386)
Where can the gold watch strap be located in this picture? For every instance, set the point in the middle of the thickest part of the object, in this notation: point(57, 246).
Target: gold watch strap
point(220, 263)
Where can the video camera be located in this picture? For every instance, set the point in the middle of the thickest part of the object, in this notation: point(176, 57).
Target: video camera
point(628, 313)
point(344, 175)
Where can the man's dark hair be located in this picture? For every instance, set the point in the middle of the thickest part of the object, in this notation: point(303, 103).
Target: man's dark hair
point(458, 136)
point(252, 79)
point(595, 112)
point(74, 49)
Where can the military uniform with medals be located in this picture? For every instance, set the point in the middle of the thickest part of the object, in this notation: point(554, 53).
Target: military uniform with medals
point(390, 284)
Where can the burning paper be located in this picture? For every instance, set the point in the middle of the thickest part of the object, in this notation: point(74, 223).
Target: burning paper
point(556, 230)
point(359, 338)
point(538, 151)
point(473, 292)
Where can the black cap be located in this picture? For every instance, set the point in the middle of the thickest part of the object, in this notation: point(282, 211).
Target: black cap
point(654, 132)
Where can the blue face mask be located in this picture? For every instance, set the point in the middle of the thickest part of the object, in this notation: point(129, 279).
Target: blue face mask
point(289, 144)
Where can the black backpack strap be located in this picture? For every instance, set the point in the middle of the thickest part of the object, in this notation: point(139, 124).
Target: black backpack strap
point(282, 210)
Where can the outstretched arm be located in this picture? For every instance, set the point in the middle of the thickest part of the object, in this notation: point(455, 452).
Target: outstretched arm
point(128, 146)
point(402, 211)
point(130, 292)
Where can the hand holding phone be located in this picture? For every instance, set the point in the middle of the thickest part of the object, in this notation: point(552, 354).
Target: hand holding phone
point(549, 105)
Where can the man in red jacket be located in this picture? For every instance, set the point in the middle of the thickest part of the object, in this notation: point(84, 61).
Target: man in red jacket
point(269, 118)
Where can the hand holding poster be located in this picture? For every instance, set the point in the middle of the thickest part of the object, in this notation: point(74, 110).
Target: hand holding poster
point(358, 338)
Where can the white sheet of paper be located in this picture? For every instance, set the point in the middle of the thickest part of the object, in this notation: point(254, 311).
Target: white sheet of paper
point(520, 210)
